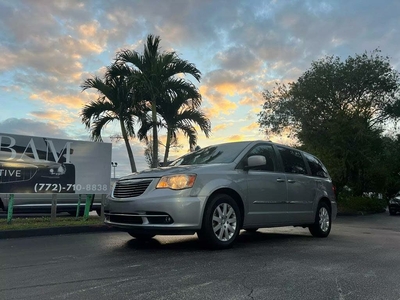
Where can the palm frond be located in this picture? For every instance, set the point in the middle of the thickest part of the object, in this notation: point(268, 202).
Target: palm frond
point(97, 127)
point(190, 132)
point(190, 117)
point(95, 109)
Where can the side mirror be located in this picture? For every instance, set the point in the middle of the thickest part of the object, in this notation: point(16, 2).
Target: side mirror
point(255, 161)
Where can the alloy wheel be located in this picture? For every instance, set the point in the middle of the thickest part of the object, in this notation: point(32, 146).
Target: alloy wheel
point(324, 219)
point(224, 222)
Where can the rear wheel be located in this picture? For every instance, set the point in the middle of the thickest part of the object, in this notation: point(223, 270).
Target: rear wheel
point(323, 222)
point(221, 222)
point(141, 236)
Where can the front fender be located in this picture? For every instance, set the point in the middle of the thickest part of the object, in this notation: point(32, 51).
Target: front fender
point(221, 184)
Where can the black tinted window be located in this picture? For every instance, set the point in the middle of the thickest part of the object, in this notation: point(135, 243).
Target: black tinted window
point(317, 169)
point(268, 152)
point(292, 161)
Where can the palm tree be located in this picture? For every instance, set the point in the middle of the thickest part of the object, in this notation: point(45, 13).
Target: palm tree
point(156, 73)
point(116, 101)
point(179, 113)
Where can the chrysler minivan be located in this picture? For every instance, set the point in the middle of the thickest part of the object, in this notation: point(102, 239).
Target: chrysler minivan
point(219, 190)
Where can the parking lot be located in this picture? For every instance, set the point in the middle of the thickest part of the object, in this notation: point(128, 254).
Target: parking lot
point(359, 260)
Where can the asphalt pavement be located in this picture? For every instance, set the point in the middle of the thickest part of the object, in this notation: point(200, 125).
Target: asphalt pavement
point(6, 234)
point(359, 260)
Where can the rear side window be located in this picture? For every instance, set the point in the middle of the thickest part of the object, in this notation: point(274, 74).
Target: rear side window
point(317, 168)
point(292, 160)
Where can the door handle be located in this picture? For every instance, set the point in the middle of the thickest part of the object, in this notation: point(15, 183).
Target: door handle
point(291, 181)
point(280, 180)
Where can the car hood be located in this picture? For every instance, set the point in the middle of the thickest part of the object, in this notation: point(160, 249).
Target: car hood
point(163, 171)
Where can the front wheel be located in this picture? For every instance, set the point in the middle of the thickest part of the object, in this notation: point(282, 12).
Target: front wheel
point(221, 222)
point(323, 222)
point(392, 212)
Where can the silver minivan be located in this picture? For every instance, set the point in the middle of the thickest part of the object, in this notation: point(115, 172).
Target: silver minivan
point(219, 190)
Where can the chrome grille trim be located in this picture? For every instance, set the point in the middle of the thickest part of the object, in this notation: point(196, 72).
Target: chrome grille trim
point(131, 188)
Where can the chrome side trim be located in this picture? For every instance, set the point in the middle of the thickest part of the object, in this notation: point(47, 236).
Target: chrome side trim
point(270, 202)
point(282, 202)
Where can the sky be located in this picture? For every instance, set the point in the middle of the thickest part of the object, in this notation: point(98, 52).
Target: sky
point(48, 48)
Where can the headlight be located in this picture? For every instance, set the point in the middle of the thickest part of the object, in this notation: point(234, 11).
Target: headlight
point(176, 182)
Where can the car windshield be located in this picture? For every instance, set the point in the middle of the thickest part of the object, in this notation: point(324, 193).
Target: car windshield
point(218, 154)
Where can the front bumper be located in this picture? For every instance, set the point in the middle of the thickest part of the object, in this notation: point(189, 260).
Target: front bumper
point(164, 212)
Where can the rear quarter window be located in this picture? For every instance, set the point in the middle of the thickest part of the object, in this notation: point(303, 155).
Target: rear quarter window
point(316, 167)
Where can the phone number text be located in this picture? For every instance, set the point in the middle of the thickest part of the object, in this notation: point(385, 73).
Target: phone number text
point(69, 187)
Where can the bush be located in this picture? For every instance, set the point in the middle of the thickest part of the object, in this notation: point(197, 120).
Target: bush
point(352, 204)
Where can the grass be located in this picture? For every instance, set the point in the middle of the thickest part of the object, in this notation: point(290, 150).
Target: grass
point(45, 222)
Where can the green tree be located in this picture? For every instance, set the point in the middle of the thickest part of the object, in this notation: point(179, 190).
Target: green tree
point(385, 175)
point(336, 110)
point(116, 102)
point(180, 113)
point(157, 73)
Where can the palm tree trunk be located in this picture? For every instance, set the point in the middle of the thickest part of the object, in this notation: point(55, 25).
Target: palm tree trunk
point(128, 146)
point(154, 163)
point(167, 146)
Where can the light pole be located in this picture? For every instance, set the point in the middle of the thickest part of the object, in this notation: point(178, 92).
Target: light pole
point(114, 165)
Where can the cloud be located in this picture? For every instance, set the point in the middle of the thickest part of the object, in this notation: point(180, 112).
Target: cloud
point(216, 103)
point(256, 100)
point(235, 138)
point(62, 118)
point(32, 128)
point(252, 127)
point(48, 97)
point(49, 47)
point(238, 58)
point(220, 127)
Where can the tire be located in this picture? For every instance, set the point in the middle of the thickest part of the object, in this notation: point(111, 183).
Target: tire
point(323, 221)
point(392, 212)
point(251, 230)
point(141, 236)
point(221, 222)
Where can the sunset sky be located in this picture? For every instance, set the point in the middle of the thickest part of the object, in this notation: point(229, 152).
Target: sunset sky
point(48, 48)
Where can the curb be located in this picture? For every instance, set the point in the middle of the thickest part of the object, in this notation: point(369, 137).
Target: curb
point(9, 234)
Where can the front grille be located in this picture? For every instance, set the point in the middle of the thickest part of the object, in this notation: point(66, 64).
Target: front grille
point(16, 174)
point(130, 188)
